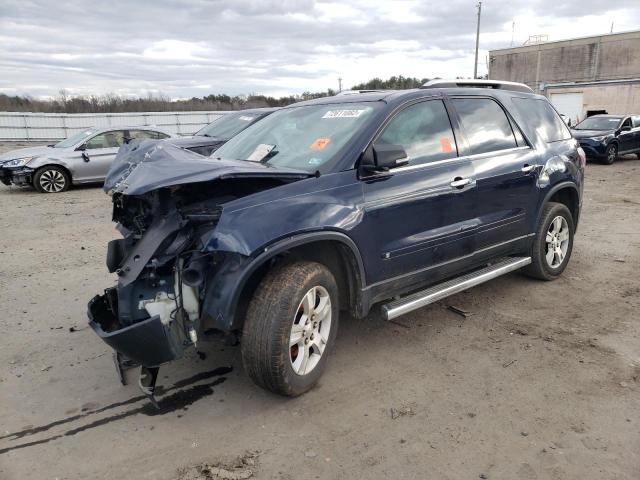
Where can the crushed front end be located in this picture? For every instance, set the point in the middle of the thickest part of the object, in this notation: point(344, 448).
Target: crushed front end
point(152, 314)
point(167, 203)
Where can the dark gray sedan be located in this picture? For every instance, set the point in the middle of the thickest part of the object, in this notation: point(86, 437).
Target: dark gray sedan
point(208, 139)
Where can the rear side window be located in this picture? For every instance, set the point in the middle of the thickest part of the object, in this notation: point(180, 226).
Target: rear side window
point(424, 130)
point(542, 118)
point(485, 124)
point(146, 134)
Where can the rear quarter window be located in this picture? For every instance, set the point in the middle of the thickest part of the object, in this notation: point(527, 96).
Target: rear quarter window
point(485, 124)
point(539, 115)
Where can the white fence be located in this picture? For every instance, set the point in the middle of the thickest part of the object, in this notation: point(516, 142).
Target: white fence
point(56, 126)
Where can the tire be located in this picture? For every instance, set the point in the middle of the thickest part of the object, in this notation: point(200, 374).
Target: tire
point(611, 154)
point(279, 305)
point(545, 265)
point(51, 179)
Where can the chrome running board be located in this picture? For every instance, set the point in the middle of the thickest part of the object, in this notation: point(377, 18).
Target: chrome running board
point(437, 292)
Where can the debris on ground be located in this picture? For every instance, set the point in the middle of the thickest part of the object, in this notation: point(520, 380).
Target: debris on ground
point(398, 323)
point(460, 311)
point(401, 412)
point(508, 364)
point(239, 468)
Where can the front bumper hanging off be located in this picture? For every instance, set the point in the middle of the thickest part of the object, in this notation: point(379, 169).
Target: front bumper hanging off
point(149, 342)
point(16, 176)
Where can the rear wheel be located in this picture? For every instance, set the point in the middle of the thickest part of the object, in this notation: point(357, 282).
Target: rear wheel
point(553, 242)
point(290, 328)
point(51, 179)
point(611, 154)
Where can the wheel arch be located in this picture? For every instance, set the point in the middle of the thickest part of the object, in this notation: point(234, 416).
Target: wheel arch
point(42, 167)
point(567, 194)
point(58, 165)
point(335, 250)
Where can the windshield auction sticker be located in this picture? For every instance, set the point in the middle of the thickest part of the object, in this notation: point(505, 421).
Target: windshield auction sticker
point(343, 113)
point(261, 152)
point(244, 118)
point(320, 144)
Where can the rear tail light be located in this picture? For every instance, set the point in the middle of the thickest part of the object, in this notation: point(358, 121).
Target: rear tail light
point(583, 157)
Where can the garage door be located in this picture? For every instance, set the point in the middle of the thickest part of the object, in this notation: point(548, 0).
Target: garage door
point(569, 104)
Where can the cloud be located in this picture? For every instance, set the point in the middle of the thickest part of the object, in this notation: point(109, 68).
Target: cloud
point(194, 47)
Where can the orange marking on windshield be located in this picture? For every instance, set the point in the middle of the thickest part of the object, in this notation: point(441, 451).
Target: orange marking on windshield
point(320, 143)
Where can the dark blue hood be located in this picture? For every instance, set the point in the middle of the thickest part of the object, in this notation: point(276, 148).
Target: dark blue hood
point(145, 165)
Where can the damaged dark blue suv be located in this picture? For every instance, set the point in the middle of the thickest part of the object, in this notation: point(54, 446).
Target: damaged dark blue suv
point(332, 205)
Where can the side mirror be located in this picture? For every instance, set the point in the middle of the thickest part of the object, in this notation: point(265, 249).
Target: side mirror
point(389, 156)
point(85, 156)
point(625, 128)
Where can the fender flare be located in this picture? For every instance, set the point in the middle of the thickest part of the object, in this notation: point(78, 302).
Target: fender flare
point(268, 251)
point(556, 188)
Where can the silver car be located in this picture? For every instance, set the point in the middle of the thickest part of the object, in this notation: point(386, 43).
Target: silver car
point(82, 158)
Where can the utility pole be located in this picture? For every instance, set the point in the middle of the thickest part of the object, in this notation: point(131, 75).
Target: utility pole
point(339, 84)
point(513, 31)
point(475, 65)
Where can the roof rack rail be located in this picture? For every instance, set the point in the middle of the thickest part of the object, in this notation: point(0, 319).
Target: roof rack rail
point(356, 92)
point(495, 84)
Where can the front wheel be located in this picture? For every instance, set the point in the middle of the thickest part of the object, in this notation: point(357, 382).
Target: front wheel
point(51, 179)
point(611, 154)
point(553, 242)
point(290, 328)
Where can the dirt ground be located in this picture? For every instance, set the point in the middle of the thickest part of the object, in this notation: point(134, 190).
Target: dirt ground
point(541, 382)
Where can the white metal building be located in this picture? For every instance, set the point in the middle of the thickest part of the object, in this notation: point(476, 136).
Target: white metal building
point(581, 77)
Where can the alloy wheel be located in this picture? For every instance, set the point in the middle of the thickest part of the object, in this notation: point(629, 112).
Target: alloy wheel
point(52, 181)
point(557, 241)
point(310, 330)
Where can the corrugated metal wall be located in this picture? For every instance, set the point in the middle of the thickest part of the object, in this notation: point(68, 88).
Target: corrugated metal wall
point(56, 126)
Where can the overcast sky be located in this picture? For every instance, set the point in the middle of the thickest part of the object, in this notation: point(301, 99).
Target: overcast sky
point(185, 48)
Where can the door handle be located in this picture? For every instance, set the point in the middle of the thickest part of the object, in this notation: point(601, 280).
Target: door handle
point(528, 168)
point(460, 182)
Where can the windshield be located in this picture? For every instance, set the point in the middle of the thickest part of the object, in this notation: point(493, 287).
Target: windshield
point(229, 125)
point(299, 137)
point(598, 123)
point(77, 138)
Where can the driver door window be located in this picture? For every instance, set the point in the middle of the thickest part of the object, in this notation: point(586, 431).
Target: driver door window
point(113, 139)
point(425, 132)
